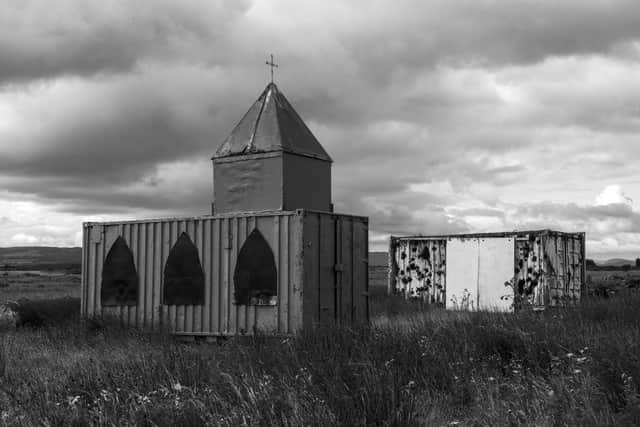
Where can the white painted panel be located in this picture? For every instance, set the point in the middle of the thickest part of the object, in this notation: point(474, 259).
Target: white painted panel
point(496, 266)
point(462, 274)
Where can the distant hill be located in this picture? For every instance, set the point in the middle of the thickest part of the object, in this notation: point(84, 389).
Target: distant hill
point(378, 259)
point(616, 262)
point(40, 257)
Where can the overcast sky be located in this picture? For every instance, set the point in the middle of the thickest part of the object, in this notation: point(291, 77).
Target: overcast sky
point(441, 116)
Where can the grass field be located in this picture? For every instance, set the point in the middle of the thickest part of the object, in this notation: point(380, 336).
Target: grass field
point(411, 366)
point(15, 285)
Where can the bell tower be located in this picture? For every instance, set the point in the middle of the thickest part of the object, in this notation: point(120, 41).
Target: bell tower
point(271, 161)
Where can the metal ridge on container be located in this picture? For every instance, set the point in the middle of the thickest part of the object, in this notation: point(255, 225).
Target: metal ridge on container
point(225, 215)
point(543, 231)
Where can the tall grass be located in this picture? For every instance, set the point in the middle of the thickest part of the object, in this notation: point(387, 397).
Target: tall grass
point(560, 367)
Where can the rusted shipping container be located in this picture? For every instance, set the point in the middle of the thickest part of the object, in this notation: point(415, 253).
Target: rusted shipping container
point(229, 274)
point(490, 271)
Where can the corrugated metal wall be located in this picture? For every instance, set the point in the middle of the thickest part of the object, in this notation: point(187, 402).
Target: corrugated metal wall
point(548, 267)
point(218, 240)
point(565, 268)
point(336, 272)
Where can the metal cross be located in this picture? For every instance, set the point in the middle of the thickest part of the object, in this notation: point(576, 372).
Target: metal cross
point(272, 65)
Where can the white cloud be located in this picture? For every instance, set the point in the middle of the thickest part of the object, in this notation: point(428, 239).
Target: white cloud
point(612, 194)
point(22, 239)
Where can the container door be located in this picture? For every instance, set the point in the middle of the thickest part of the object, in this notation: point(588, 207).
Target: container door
point(495, 267)
point(462, 274)
point(328, 286)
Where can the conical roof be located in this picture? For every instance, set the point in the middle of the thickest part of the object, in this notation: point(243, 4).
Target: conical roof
point(271, 124)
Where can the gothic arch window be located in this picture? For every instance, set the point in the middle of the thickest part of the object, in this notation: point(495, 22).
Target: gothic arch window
point(119, 276)
point(183, 274)
point(255, 277)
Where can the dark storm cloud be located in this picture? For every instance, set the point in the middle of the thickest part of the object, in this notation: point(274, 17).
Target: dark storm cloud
point(488, 32)
point(113, 107)
point(116, 130)
point(40, 40)
point(157, 193)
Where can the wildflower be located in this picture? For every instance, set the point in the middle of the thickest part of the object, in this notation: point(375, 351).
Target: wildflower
point(550, 393)
point(72, 400)
point(177, 387)
point(570, 355)
point(581, 359)
point(491, 379)
point(389, 362)
point(577, 371)
point(144, 400)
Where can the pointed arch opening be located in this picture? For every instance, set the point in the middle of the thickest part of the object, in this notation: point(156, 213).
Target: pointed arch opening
point(255, 277)
point(119, 276)
point(183, 274)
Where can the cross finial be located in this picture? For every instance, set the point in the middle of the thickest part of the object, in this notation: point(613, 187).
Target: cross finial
point(272, 65)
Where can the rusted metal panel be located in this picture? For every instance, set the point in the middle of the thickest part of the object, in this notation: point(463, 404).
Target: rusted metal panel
point(420, 269)
point(292, 237)
point(548, 267)
point(495, 268)
point(529, 279)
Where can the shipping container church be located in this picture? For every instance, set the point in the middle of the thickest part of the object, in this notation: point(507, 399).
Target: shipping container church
point(271, 258)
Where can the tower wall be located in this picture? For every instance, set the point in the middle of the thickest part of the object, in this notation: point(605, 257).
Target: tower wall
point(307, 183)
point(247, 183)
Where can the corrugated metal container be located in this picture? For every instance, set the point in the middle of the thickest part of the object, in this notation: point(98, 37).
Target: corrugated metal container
point(490, 271)
point(147, 273)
